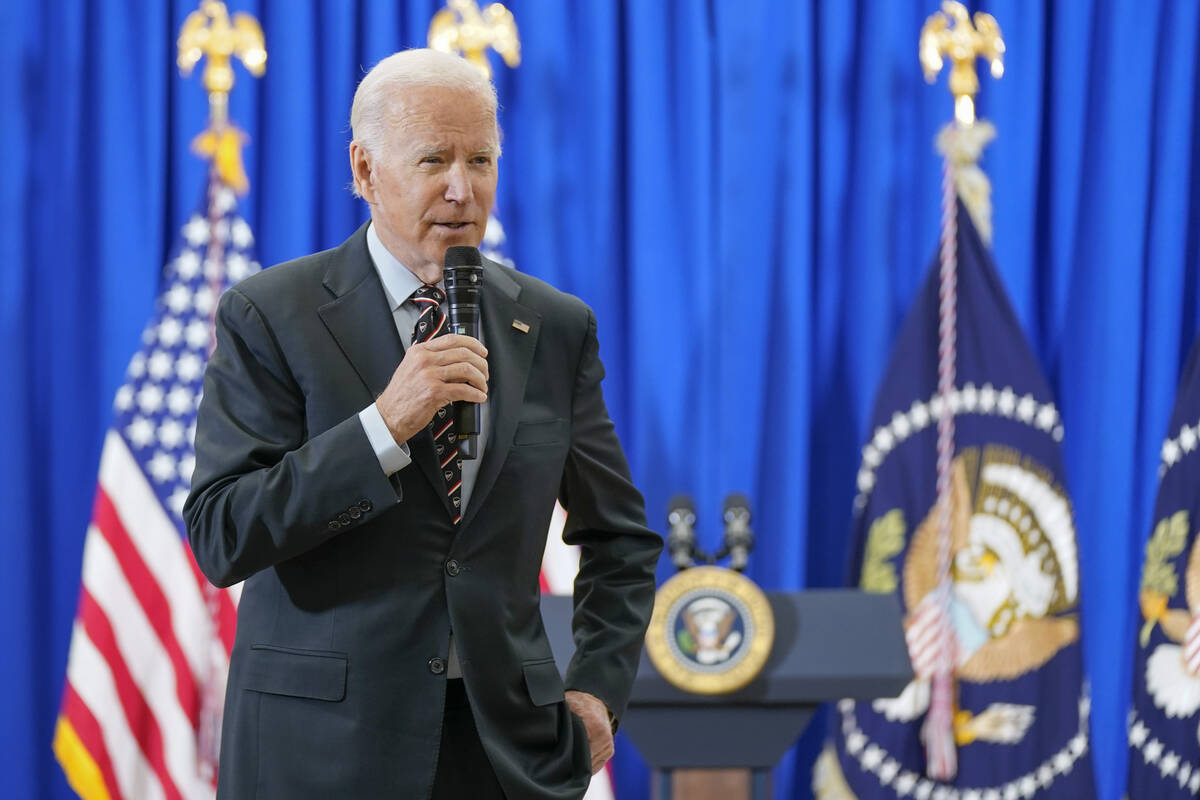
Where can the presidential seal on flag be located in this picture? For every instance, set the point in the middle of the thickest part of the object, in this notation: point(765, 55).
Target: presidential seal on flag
point(711, 631)
point(1019, 705)
point(1164, 721)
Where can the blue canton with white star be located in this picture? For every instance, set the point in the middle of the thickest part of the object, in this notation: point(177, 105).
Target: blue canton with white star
point(156, 407)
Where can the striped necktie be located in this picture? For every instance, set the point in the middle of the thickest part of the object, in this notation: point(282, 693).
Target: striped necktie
point(431, 323)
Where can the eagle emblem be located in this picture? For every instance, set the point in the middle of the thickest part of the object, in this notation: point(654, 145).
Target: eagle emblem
point(1173, 669)
point(707, 633)
point(1015, 585)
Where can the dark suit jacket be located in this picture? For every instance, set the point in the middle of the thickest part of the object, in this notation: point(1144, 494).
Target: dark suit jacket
point(354, 580)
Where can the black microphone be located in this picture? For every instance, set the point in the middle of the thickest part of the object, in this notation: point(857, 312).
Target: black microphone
point(739, 539)
point(463, 274)
point(681, 539)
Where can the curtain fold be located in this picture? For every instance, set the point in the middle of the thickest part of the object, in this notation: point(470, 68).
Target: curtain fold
point(747, 195)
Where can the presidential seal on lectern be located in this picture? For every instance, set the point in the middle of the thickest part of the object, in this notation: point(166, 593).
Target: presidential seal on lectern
point(711, 631)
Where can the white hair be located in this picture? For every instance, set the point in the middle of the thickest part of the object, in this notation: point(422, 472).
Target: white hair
point(372, 113)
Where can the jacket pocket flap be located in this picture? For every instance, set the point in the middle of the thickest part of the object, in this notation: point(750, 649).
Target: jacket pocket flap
point(545, 431)
point(315, 674)
point(544, 683)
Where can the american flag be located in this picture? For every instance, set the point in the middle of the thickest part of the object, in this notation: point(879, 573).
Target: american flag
point(140, 715)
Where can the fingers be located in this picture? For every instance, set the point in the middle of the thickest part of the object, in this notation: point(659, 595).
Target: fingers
point(595, 721)
point(452, 341)
point(450, 371)
point(467, 372)
point(468, 391)
point(432, 374)
point(450, 359)
point(602, 749)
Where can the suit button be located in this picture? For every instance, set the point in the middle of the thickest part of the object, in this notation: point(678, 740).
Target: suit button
point(452, 568)
point(344, 518)
point(334, 525)
point(365, 505)
point(437, 665)
point(355, 512)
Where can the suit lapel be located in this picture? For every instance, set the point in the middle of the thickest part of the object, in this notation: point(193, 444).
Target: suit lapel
point(510, 355)
point(361, 322)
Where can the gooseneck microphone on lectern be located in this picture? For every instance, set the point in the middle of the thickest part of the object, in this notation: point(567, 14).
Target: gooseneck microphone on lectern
point(739, 539)
point(681, 540)
point(463, 275)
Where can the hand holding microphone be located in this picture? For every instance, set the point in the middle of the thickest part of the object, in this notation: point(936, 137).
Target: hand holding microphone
point(451, 368)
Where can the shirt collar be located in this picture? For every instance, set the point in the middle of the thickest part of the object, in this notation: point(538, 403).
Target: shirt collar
point(398, 281)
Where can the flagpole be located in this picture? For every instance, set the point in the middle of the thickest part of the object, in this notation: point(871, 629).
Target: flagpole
point(210, 33)
point(951, 33)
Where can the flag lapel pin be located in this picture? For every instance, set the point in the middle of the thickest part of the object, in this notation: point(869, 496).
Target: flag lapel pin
point(521, 326)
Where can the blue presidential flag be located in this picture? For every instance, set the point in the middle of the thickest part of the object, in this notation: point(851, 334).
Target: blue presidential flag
point(1164, 727)
point(1020, 704)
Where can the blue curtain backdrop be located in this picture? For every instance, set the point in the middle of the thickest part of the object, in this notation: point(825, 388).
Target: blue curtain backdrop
point(745, 191)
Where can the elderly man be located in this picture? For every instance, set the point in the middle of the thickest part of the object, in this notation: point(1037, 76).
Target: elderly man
point(389, 641)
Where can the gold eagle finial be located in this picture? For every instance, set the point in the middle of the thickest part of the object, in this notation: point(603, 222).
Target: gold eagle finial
point(949, 33)
point(210, 32)
point(463, 29)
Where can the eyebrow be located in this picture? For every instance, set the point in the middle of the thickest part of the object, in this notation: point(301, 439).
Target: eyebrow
point(490, 150)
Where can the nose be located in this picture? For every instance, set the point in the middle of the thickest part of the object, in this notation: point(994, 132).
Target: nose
point(458, 184)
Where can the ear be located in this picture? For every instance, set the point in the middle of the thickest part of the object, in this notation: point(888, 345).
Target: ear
point(362, 167)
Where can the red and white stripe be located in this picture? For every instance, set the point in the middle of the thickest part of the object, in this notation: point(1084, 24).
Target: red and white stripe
point(1191, 646)
point(923, 635)
point(940, 753)
point(142, 646)
point(560, 563)
point(441, 324)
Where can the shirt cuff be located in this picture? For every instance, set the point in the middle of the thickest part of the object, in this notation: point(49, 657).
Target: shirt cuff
point(392, 457)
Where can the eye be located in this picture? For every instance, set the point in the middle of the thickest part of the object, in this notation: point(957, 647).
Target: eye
point(431, 160)
point(482, 160)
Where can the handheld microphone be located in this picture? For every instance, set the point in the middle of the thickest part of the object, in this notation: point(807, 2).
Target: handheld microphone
point(463, 274)
point(739, 539)
point(681, 539)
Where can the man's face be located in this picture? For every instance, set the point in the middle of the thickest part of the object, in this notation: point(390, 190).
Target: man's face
point(434, 185)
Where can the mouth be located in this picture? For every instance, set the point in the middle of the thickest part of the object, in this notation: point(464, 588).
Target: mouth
point(453, 226)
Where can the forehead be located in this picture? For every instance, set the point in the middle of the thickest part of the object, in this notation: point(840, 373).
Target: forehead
point(430, 116)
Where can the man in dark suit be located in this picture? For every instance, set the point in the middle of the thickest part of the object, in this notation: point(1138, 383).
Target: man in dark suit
point(389, 640)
